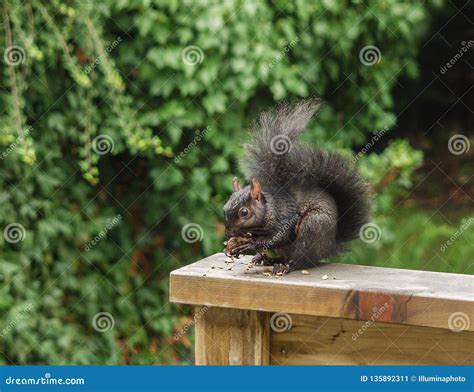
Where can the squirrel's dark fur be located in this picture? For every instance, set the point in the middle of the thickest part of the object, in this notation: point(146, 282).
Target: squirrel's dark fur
point(302, 202)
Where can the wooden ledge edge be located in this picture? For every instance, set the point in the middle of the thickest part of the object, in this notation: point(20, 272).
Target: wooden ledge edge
point(429, 299)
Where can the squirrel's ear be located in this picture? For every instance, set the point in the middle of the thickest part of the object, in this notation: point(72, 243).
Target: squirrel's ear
point(236, 184)
point(255, 190)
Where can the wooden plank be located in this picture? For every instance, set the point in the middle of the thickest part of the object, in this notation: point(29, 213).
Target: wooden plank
point(412, 297)
point(232, 337)
point(316, 340)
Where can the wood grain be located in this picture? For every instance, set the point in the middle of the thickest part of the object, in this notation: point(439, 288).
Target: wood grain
point(331, 341)
point(411, 297)
point(232, 337)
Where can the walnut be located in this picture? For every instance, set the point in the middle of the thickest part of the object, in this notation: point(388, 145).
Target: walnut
point(233, 243)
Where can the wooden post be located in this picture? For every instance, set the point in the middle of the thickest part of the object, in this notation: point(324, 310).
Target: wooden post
point(336, 314)
point(232, 337)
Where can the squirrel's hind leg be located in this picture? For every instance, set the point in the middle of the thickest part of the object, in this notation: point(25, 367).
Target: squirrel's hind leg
point(315, 241)
point(262, 259)
point(282, 268)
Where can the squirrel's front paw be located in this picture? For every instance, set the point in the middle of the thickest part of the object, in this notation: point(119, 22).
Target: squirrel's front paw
point(237, 246)
point(244, 248)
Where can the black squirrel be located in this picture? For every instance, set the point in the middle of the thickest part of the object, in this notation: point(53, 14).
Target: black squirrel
point(302, 203)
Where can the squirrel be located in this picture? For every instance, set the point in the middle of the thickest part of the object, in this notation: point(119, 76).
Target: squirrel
point(302, 204)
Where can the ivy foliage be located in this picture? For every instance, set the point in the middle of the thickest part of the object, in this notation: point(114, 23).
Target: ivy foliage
point(136, 108)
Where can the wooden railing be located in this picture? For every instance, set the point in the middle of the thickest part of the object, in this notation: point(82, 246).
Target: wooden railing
point(336, 314)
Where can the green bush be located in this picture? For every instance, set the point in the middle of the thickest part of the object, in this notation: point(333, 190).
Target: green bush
point(123, 120)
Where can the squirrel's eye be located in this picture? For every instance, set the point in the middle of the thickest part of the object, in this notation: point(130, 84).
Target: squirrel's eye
point(243, 212)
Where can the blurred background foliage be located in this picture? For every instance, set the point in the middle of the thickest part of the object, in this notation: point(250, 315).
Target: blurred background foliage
point(118, 68)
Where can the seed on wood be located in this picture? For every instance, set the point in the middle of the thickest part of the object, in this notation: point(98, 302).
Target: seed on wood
point(325, 277)
point(305, 272)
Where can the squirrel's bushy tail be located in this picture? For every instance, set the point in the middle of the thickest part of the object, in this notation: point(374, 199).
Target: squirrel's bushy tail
point(276, 158)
